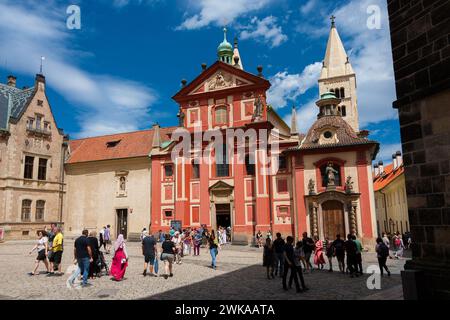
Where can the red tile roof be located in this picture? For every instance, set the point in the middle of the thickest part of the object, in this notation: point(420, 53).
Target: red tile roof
point(131, 145)
point(390, 175)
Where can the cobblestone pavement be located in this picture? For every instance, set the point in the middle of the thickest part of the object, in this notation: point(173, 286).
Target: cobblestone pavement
point(239, 276)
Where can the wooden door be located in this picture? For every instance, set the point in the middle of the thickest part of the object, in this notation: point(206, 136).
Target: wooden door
point(333, 219)
point(122, 221)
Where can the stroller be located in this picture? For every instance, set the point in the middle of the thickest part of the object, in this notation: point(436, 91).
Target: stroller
point(101, 264)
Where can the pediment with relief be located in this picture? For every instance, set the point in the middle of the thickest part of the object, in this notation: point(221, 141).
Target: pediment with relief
point(219, 81)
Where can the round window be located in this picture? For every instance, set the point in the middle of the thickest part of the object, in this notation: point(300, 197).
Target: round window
point(327, 134)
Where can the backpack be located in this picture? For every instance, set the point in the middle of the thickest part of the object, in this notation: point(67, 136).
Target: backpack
point(384, 250)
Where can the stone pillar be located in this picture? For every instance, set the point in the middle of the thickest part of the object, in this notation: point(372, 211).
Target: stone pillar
point(352, 218)
point(314, 220)
point(419, 37)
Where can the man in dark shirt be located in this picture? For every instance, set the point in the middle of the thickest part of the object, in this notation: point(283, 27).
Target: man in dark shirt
point(350, 249)
point(339, 252)
point(308, 247)
point(149, 253)
point(83, 254)
point(289, 264)
point(278, 245)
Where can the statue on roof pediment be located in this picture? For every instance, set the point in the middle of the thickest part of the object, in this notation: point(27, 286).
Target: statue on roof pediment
point(220, 81)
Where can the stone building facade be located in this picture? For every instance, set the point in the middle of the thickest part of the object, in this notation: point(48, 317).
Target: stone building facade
point(32, 152)
point(420, 33)
point(390, 196)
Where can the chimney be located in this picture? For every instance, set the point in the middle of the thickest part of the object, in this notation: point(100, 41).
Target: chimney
point(394, 162)
point(156, 136)
point(381, 167)
point(376, 170)
point(398, 155)
point(11, 81)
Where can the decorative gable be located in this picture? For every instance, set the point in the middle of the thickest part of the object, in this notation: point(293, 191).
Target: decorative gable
point(220, 80)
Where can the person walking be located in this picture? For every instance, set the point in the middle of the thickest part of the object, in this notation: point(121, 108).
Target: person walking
point(278, 245)
point(101, 238)
point(399, 246)
point(149, 251)
point(213, 249)
point(259, 237)
point(350, 250)
point(107, 238)
point(288, 253)
point(329, 252)
point(339, 252)
point(359, 250)
point(42, 250)
point(382, 254)
point(298, 251)
point(83, 254)
point(94, 268)
point(57, 252)
point(197, 241)
point(187, 243)
point(178, 246)
point(51, 236)
point(168, 255)
point(319, 259)
point(269, 258)
point(308, 247)
point(120, 260)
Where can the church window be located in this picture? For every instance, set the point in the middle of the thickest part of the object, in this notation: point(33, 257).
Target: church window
point(195, 170)
point(30, 123)
point(342, 93)
point(282, 186)
point(38, 121)
point(282, 164)
point(337, 174)
point(222, 166)
point(28, 170)
point(249, 167)
point(336, 93)
point(168, 214)
point(168, 170)
point(328, 134)
point(26, 209)
point(220, 115)
point(40, 209)
point(194, 116)
point(343, 111)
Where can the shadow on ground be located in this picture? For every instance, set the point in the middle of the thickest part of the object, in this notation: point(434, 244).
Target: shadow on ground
point(250, 283)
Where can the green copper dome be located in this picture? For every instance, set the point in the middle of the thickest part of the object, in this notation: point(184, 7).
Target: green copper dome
point(328, 95)
point(225, 49)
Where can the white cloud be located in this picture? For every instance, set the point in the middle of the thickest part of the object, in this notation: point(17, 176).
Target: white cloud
point(287, 86)
point(219, 12)
point(265, 29)
point(105, 103)
point(308, 6)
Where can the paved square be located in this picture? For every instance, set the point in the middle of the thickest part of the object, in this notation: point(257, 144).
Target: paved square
point(240, 275)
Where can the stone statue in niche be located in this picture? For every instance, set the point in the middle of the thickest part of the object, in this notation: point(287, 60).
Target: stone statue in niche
point(331, 175)
point(349, 185)
point(257, 115)
point(122, 183)
point(311, 187)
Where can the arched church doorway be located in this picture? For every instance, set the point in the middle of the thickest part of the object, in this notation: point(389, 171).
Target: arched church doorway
point(333, 219)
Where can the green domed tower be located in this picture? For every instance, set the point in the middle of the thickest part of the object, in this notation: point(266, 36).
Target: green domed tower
point(225, 49)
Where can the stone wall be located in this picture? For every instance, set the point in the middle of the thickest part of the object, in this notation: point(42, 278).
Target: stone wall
point(420, 35)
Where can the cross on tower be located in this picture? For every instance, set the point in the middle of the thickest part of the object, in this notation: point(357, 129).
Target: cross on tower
point(332, 18)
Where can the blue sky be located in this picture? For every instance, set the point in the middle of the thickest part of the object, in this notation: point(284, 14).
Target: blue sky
point(120, 70)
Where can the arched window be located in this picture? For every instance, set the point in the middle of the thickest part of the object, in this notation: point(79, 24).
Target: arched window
point(40, 210)
point(336, 92)
point(220, 115)
point(26, 210)
point(282, 165)
point(342, 93)
point(327, 173)
point(343, 111)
